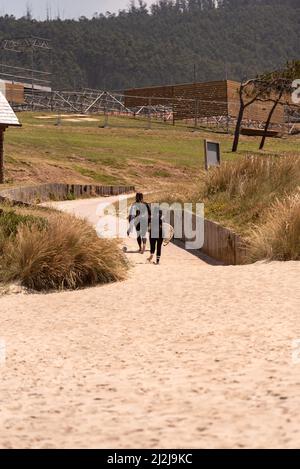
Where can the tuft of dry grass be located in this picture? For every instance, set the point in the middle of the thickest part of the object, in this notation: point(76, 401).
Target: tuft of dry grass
point(279, 237)
point(64, 254)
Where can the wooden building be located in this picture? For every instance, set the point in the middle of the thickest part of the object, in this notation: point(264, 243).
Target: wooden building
point(215, 99)
point(13, 92)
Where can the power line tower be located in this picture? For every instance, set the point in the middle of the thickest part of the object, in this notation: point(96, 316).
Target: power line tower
point(29, 52)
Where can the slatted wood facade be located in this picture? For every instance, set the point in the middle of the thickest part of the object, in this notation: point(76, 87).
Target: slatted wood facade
point(14, 92)
point(159, 95)
point(201, 100)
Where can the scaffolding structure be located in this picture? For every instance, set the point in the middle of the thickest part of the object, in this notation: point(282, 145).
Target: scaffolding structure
point(106, 103)
point(27, 50)
point(211, 104)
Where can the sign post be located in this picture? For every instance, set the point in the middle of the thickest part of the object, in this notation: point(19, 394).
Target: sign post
point(212, 154)
point(2, 130)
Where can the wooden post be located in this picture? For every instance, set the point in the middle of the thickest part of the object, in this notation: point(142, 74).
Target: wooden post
point(196, 113)
point(149, 114)
point(2, 130)
point(173, 106)
point(105, 111)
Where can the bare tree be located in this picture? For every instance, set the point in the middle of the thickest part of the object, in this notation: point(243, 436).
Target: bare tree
point(280, 91)
point(250, 91)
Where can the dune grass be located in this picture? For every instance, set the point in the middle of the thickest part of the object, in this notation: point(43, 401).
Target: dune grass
point(62, 252)
point(259, 198)
point(279, 237)
point(255, 196)
point(239, 194)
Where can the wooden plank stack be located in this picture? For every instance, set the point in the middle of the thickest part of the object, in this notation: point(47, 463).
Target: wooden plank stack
point(201, 100)
point(14, 92)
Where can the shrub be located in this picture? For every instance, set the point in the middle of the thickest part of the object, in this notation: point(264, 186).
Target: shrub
point(65, 254)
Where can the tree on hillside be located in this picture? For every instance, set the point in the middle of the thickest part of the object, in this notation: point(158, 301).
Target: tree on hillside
point(280, 92)
point(250, 91)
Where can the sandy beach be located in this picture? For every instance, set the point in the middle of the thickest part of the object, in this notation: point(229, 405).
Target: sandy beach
point(184, 354)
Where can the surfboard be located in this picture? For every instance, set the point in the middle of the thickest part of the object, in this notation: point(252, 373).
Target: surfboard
point(168, 233)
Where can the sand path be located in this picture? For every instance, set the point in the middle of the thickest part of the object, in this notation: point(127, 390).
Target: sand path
point(181, 355)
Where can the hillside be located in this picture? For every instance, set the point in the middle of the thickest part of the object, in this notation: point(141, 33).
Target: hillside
point(167, 44)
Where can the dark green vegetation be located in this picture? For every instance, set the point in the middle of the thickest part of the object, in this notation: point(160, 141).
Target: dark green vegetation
point(137, 47)
point(10, 222)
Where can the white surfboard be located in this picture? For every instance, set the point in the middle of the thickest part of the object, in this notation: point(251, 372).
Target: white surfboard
point(168, 233)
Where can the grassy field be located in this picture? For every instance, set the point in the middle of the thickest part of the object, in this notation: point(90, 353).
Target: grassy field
point(79, 150)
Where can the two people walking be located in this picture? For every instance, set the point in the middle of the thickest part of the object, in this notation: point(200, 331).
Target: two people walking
point(144, 221)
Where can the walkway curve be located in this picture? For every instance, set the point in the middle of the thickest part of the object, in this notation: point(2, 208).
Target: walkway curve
point(183, 355)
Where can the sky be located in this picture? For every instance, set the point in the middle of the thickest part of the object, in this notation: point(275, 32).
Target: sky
point(66, 8)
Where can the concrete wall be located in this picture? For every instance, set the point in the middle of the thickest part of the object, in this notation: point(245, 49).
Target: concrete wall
point(44, 192)
point(220, 243)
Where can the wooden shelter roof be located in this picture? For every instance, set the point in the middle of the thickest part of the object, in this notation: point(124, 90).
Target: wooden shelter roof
point(7, 115)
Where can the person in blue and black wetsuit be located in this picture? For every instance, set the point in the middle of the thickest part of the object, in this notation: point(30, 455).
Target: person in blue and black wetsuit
point(156, 234)
point(140, 217)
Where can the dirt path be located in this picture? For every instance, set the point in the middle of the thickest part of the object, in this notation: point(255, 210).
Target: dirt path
point(181, 355)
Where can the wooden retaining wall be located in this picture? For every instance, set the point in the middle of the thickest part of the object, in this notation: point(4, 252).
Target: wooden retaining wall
point(220, 243)
point(44, 192)
point(223, 244)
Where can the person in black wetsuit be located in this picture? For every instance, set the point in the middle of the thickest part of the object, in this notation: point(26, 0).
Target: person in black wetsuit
point(156, 234)
point(139, 217)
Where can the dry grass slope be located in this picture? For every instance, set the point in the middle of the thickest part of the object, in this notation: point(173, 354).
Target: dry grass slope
point(256, 196)
point(240, 193)
point(248, 177)
point(279, 238)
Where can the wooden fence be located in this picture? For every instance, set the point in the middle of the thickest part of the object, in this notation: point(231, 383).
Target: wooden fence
point(44, 192)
